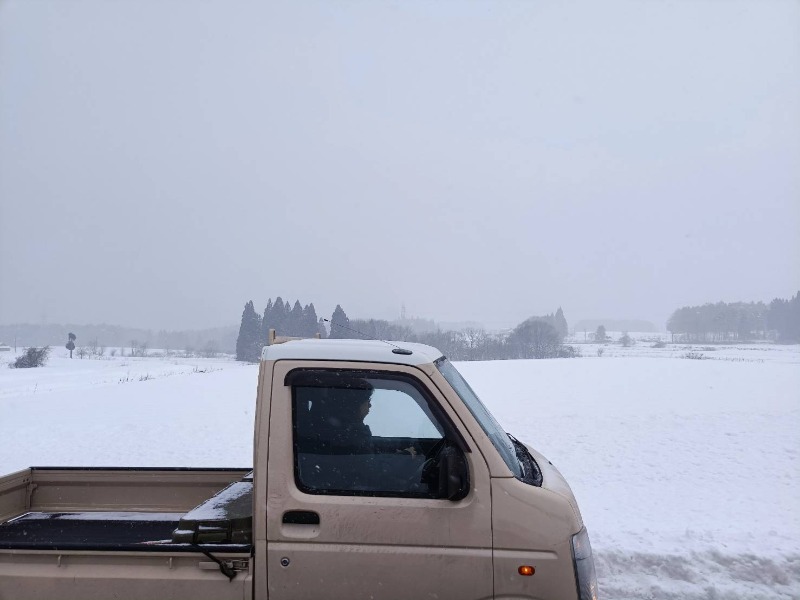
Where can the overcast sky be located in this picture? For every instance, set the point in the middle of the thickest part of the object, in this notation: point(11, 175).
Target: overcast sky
point(161, 163)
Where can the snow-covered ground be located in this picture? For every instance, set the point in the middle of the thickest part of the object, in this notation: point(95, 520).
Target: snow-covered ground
point(686, 470)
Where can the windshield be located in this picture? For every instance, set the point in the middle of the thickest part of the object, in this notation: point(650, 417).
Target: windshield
point(489, 424)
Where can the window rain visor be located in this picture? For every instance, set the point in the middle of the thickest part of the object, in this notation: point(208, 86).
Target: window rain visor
point(487, 422)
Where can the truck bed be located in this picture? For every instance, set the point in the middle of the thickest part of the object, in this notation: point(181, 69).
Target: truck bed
point(123, 509)
point(79, 533)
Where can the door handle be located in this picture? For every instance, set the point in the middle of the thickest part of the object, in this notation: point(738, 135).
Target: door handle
point(300, 517)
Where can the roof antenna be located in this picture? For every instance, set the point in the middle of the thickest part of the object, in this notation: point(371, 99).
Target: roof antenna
point(397, 349)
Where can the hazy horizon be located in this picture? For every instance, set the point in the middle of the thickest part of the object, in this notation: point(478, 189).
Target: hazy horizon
point(573, 322)
point(163, 163)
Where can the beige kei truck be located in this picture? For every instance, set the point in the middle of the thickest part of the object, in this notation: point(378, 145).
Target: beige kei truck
point(378, 474)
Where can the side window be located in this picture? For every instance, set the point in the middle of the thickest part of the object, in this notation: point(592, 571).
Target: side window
point(365, 436)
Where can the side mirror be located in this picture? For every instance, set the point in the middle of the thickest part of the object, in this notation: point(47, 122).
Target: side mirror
point(453, 474)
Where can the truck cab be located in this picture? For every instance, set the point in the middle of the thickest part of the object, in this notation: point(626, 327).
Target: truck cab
point(440, 503)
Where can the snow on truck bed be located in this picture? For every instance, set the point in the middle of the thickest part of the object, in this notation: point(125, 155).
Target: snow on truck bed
point(686, 471)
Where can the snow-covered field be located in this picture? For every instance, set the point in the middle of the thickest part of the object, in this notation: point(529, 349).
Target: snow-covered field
point(686, 471)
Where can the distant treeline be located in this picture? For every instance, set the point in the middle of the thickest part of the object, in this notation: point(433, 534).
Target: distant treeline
point(223, 339)
point(738, 321)
point(616, 325)
point(536, 337)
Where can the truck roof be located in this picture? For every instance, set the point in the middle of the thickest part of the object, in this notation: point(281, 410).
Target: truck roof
point(352, 350)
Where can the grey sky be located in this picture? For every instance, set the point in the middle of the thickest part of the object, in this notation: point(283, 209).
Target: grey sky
point(163, 162)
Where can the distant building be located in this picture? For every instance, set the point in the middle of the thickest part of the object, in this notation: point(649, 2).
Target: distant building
point(4, 348)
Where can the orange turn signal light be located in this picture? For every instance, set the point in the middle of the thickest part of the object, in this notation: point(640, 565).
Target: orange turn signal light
point(526, 570)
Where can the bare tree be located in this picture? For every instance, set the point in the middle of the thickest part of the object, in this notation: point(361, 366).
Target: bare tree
point(138, 348)
point(475, 343)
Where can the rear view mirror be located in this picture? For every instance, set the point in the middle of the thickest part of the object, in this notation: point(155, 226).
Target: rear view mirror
point(453, 474)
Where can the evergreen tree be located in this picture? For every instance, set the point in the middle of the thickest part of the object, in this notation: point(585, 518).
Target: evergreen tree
point(266, 322)
point(287, 317)
point(600, 335)
point(793, 329)
point(241, 340)
point(340, 324)
point(560, 323)
point(278, 317)
point(256, 341)
point(295, 327)
point(309, 320)
point(248, 344)
point(783, 318)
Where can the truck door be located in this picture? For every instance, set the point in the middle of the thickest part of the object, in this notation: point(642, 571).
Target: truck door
point(356, 506)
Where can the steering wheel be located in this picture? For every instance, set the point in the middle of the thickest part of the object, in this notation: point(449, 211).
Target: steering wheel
point(415, 480)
